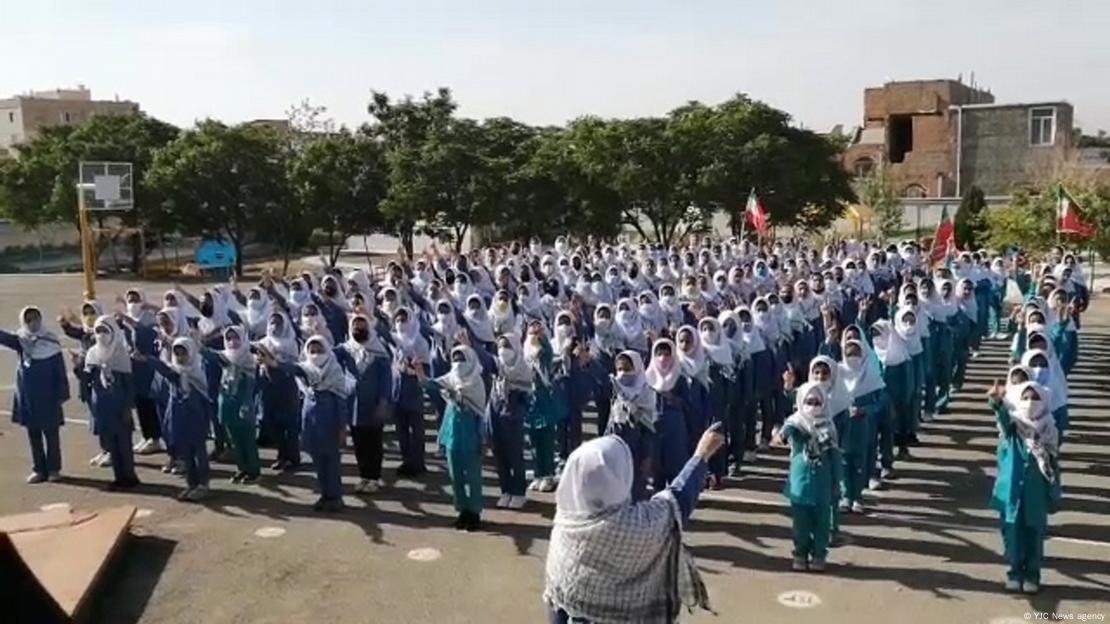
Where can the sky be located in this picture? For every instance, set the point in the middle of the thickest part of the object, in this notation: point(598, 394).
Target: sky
point(547, 62)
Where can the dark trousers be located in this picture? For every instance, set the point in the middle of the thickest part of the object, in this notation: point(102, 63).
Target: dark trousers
point(570, 432)
point(218, 432)
point(410, 435)
point(769, 414)
point(288, 441)
point(368, 451)
point(240, 434)
point(604, 407)
point(46, 453)
point(195, 457)
point(148, 418)
point(327, 475)
point(508, 454)
point(123, 457)
point(736, 424)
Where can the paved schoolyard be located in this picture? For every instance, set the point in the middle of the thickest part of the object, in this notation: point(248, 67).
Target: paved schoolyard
point(930, 551)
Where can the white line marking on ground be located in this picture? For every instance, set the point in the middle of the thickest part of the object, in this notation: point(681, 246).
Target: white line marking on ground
point(268, 532)
point(424, 554)
point(77, 421)
point(799, 599)
point(144, 513)
point(54, 506)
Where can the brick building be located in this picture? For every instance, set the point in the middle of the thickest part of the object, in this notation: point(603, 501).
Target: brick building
point(22, 116)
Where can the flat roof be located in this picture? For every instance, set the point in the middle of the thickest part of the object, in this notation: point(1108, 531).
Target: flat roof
point(1009, 105)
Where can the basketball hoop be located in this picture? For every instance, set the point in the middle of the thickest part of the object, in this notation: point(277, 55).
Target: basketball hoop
point(102, 186)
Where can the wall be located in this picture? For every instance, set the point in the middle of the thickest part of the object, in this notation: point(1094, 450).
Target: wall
point(996, 154)
point(11, 125)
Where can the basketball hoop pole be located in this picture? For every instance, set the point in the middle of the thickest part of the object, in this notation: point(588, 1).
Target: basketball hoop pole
point(88, 255)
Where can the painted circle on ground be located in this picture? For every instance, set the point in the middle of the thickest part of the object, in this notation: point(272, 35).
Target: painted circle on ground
point(54, 506)
point(799, 599)
point(424, 554)
point(144, 513)
point(270, 531)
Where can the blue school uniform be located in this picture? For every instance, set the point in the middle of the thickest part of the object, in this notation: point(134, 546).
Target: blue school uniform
point(854, 431)
point(110, 404)
point(335, 318)
point(235, 412)
point(544, 414)
point(720, 407)
point(281, 412)
point(764, 391)
point(963, 331)
point(602, 385)
point(41, 387)
point(1024, 498)
point(367, 416)
point(507, 410)
point(576, 384)
point(323, 417)
point(142, 338)
point(672, 447)
point(186, 423)
point(408, 412)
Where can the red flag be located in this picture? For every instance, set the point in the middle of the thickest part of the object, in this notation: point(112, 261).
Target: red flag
point(1068, 220)
point(755, 214)
point(944, 239)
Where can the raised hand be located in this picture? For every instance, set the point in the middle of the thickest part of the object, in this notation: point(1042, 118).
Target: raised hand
point(997, 391)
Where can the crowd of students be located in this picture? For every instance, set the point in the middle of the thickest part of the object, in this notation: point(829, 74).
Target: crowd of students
point(838, 352)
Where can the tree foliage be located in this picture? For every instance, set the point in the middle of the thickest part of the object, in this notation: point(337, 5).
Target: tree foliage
point(878, 193)
point(1027, 223)
point(970, 222)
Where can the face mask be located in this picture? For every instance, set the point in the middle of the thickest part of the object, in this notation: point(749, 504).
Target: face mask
point(458, 368)
point(318, 359)
point(825, 385)
point(708, 335)
point(603, 323)
point(908, 328)
point(299, 297)
point(134, 310)
point(668, 300)
point(255, 304)
point(626, 379)
point(89, 320)
point(690, 291)
point(562, 331)
point(811, 411)
point(506, 355)
point(103, 339)
point(1040, 374)
point(1026, 408)
point(854, 362)
point(1034, 326)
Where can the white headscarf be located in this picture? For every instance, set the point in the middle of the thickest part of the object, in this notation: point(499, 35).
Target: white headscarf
point(281, 344)
point(608, 338)
point(910, 335)
point(258, 310)
point(412, 344)
point(218, 318)
point(836, 390)
point(1035, 426)
point(240, 358)
point(663, 380)
point(39, 344)
point(864, 379)
point(192, 372)
point(818, 428)
point(513, 372)
point(694, 365)
point(889, 346)
point(1053, 381)
point(717, 347)
point(463, 383)
point(363, 353)
point(597, 478)
point(478, 320)
point(110, 357)
point(327, 378)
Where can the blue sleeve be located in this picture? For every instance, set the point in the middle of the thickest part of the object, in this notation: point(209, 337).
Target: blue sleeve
point(687, 486)
point(73, 332)
point(10, 341)
point(163, 369)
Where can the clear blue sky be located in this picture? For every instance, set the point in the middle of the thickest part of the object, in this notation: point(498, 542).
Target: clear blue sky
point(550, 61)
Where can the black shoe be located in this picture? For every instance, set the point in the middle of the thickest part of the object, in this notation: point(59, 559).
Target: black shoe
point(406, 471)
point(249, 479)
point(462, 521)
point(333, 506)
point(291, 466)
point(474, 523)
point(122, 484)
point(903, 454)
point(914, 441)
point(319, 504)
point(237, 477)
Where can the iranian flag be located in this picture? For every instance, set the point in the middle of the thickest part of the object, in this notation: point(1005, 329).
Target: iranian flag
point(944, 239)
point(1068, 220)
point(755, 214)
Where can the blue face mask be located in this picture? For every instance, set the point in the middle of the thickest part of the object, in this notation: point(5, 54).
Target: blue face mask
point(1040, 374)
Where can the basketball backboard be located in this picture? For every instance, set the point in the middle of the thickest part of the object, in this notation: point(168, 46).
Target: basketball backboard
point(106, 185)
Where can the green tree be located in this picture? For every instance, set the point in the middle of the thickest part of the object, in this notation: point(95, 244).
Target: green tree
point(877, 192)
point(970, 222)
point(404, 127)
point(340, 180)
point(1027, 223)
point(222, 180)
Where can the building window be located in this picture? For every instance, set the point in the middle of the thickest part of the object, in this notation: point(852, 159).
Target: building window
point(1042, 126)
point(863, 167)
point(915, 190)
point(65, 117)
point(11, 117)
point(901, 137)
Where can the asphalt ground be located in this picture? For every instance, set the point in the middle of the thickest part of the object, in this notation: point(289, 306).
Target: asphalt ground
point(928, 551)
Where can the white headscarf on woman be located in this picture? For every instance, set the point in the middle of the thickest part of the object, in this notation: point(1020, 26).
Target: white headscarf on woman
point(326, 377)
point(1013, 388)
point(1035, 426)
point(192, 372)
point(813, 421)
point(407, 337)
point(909, 332)
point(281, 343)
point(694, 365)
point(836, 391)
point(889, 346)
point(108, 355)
point(463, 383)
point(240, 357)
point(717, 347)
point(613, 560)
point(633, 398)
point(477, 319)
point(663, 378)
point(36, 343)
point(863, 377)
point(1051, 377)
point(363, 353)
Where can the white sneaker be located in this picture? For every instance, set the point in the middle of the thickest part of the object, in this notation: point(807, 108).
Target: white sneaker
point(157, 446)
point(926, 417)
point(95, 461)
point(1013, 586)
point(1030, 588)
point(750, 457)
point(105, 460)
point(517, 502)
point(363, 487)
point(857, 507)
point(874, 484)
point(139, 446)
point(886, 473)
point(503, 502)
point(54, 477)
point(535, 485)
point(376, 484)
point(547, 484)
